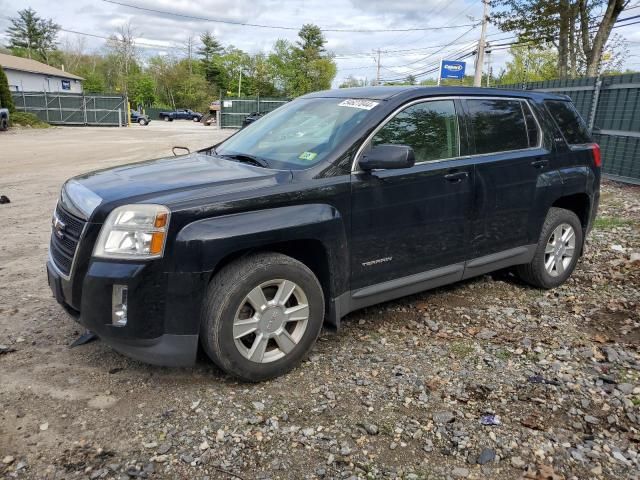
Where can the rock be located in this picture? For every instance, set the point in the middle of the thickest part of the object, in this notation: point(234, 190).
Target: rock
point(443, 417)
point(220, 436)
point(433, 326)
point(626, 388)
point(591, 419)
point(195, 404)
point(8, 460)
point(186, 458)
point(44, 426)
point(164, 448)
point(150, 445)
point(345, 451)
point(611, 354)
point(330, 395)
point(331, 458)
point(486, 334)
point(259, 406)
point(370, 428)
point(620, 457)
point(517, 462)
point(204, 446)
point(486, 455)
point(460, 472)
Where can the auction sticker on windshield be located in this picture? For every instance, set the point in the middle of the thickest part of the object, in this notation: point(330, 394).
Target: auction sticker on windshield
point(308, 156)
point(358, 103)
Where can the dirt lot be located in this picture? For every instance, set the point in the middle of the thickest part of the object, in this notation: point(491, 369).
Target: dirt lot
point(402, 391)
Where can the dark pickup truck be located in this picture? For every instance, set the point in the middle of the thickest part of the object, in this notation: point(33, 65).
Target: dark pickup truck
point(335, 201)
point(4, 119)
point(184, 114)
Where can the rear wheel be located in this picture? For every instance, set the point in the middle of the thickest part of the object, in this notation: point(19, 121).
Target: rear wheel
point(557, 252)
point(165, 118)
point(261, 316)
point(142, 122)
point(4, 124)
point(196, 119)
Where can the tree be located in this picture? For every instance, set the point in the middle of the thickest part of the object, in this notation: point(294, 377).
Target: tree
point(122, 57)
point(6, 100)
point(529, 65)
point(210, 52)
point(311, 39)
point(142, 90)
point(575, 27)
point(32, 35)
point(411, 80)
point(351, 82)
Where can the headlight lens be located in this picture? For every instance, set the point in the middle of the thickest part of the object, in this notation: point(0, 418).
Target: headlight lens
point(134, 231)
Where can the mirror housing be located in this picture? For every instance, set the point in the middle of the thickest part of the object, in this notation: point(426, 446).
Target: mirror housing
point(386, 157)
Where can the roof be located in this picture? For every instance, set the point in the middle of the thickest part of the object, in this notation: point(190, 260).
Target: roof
point(11, 62)
point(385, 93)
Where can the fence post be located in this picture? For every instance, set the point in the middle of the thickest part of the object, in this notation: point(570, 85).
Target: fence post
point(594, 102)
point(119, 117)
point(46, 105)
point(24, 102)
point(84, 108)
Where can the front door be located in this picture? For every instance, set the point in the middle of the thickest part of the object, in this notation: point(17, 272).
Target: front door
point(410, 221)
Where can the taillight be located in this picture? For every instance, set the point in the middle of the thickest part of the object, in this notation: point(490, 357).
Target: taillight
point(597, 159)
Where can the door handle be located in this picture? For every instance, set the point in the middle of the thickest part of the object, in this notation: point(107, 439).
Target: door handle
point(456, 177)
point(539, 163)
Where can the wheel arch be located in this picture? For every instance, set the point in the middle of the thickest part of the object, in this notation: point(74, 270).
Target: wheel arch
point(578, 203)
point(313, 234)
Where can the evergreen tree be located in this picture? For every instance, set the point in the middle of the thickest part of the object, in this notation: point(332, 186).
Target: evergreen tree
point(6, 100)
point(32, 35)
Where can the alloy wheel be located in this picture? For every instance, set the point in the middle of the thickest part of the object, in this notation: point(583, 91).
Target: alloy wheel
point(560, 250)
point(271, 321)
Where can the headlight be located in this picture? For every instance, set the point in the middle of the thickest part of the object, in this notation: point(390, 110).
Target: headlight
point(134, 231)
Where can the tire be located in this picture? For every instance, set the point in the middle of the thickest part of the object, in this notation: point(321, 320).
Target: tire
point(165, 118)
point(143, 122)
point(230, 346)
point(551, 264)
point(196, 119)
point(4, 125)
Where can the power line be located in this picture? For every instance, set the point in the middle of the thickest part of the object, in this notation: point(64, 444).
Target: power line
point(277, 27)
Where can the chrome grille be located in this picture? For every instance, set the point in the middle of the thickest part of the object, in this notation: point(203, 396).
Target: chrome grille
point(65, 236)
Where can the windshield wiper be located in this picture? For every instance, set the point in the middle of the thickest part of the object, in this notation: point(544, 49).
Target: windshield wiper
point(246, 158)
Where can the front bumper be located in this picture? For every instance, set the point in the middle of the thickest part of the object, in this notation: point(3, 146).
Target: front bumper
point(163, 311)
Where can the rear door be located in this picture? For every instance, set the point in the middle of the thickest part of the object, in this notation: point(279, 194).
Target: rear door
point(414, 220)
point(506, 139)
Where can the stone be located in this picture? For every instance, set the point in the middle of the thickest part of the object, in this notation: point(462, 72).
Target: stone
point(517, 462)
point(626, 388)
point(443, 417)
point(460, 472)
point(486, 455)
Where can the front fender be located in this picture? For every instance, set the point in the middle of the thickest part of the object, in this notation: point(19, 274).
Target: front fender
point(200, 246)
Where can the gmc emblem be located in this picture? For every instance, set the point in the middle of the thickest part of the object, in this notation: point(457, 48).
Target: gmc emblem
point(58, 226)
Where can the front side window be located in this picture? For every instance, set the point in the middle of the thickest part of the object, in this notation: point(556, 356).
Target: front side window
point(430, 128)
point(499, 125)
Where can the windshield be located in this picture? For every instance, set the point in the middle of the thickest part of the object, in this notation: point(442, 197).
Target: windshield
point(299, 134)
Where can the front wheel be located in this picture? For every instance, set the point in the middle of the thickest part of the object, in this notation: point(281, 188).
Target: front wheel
point(196, 119)
point(166, 119)
point(557, 251)
point(261, 316)
point(4, 124)
point(142, 122)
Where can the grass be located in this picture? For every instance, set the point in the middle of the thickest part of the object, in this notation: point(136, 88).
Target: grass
point(460, 349)
point(27, 119)
point(607, 223)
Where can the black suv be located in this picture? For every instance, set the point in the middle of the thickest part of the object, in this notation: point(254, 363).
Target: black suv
point(333, 202)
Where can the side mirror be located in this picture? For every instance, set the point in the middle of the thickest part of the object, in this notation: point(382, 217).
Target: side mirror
point(387, 156)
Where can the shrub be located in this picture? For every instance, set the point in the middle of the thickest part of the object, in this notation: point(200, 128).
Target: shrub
point(27, 120)
point(6, 100)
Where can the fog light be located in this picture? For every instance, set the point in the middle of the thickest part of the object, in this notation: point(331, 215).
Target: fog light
point(119, 306)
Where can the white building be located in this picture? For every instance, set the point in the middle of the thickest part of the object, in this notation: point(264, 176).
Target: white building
point(26, 75)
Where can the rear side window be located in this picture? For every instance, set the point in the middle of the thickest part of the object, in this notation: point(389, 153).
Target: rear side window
point(430, 128)
point(569, 122)
point(500, 125)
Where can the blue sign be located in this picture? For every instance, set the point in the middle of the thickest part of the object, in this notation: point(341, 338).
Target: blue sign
point(66, 84)
point(452, 69)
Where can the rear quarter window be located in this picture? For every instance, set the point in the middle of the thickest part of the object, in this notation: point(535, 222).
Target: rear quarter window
point(569, 122)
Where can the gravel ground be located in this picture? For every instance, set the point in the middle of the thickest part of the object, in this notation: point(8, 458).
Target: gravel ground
point(488, 378)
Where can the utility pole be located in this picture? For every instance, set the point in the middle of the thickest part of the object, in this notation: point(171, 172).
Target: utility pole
point(240, 83)
point(378, 70)
point(477, 79)
point(488, 52)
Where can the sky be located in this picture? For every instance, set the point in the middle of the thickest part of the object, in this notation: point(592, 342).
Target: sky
point(402, 52)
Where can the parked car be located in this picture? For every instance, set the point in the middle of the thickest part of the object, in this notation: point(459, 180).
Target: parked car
point(184, 114)
point(336, 201)
point(140, 118)
point(252, 117)
point(4, 119)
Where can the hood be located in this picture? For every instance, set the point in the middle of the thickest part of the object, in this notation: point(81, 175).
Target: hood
point(174, 180)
